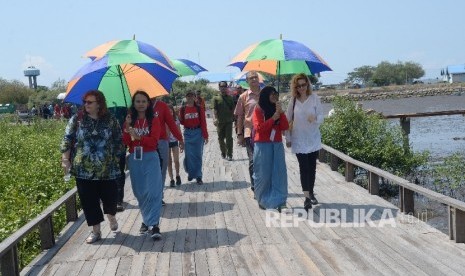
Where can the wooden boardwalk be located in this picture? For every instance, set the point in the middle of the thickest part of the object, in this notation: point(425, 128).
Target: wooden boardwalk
point(218, 229)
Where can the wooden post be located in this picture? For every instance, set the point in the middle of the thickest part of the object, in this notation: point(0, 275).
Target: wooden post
point(9, 262)
point(322, 155)
point(456, 224)
point(407, 201)
point(47, 237)
point(373, 183)
point(405, 124)
point(334, 161)
point(350, 172)
point(71, 210)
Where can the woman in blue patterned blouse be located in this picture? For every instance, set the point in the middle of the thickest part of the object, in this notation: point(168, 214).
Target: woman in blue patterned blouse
point(94, 138)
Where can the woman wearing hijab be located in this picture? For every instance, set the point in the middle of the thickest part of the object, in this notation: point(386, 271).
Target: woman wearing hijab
point(269, 171)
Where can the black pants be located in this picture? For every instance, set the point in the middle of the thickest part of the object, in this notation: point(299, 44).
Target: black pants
point(121, 180)
point(307, 168)
point(91, 192)
point(249, 148)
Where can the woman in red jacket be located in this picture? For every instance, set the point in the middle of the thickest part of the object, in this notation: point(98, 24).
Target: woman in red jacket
point(269, 170)
point(141, 134)
point(192, 117)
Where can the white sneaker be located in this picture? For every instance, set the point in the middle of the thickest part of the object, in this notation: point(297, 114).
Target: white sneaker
point(93, 237)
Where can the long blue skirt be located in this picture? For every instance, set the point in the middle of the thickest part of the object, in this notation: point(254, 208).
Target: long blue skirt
point(193, 152)
point(146, 183)
point(270, 174)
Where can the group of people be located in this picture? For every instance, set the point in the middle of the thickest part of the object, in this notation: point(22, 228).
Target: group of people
point(94, 151)
point(96, 147)
point(263, 120)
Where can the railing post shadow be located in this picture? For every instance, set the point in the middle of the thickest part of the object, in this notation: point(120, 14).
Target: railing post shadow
point(10, 262)
point(47, 237)
point(373, 183)
point(456, 224)
point(406, 200)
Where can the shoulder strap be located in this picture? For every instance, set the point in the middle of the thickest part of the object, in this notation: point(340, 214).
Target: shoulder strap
point(182, 112)
point(293, 106)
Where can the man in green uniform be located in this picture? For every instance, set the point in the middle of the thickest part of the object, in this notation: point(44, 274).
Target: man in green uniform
point(223, 106)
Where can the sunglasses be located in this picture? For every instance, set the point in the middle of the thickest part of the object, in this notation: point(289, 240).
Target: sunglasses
point(223, 86)
point(301, 85)
point(88, 102)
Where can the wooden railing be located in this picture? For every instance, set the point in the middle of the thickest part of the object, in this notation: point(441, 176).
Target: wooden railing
point(405, 118)
point(456, 208)
point(9, 262)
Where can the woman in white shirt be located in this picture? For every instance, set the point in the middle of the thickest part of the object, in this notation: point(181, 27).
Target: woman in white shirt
point(306, 114)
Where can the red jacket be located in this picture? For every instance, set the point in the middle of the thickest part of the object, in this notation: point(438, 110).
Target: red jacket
point(149, 139)
point(263, 128)
point(162, 112)
point(190, 118)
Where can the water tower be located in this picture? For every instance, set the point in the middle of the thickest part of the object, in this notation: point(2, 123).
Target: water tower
point(31, 72)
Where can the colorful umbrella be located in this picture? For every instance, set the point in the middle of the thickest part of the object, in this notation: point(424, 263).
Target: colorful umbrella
point(280, 57)
point(129, 46)
point(120, 73)
point(185, 67)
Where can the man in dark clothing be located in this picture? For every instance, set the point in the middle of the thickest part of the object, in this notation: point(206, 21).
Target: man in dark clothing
point(223, 106)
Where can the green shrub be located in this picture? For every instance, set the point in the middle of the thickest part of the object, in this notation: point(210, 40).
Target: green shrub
point(370, 139)
point(31, 178)
point(448, 176)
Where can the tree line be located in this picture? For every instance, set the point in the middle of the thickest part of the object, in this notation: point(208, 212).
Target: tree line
point(386, 73)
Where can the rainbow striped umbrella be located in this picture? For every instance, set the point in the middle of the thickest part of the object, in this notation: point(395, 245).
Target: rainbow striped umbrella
point(185, 67)
point(129, 46)
point(280, 57)
point(119, 71)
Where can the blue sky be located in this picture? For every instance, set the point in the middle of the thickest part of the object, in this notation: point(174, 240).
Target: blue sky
point(53, 35)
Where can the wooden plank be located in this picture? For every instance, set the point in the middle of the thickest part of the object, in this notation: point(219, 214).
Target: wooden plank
point(99, 267)
point(238, 260)
point(112, 266)
point(175, 267)
point(202, 267)
point(225, 261)
point(252, 260)
point(87, 268)
point(137, 266)
point(124, 266)
point(335, 258)
point(150, 263)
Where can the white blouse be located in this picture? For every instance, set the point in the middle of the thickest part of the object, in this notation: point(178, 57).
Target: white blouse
point(305, 137)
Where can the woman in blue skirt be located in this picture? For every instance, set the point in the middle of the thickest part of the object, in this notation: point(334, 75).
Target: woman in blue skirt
point(269, 170)
point(192, 117)
point(141, 134)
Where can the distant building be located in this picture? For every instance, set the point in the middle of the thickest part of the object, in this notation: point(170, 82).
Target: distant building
point(453, 73)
